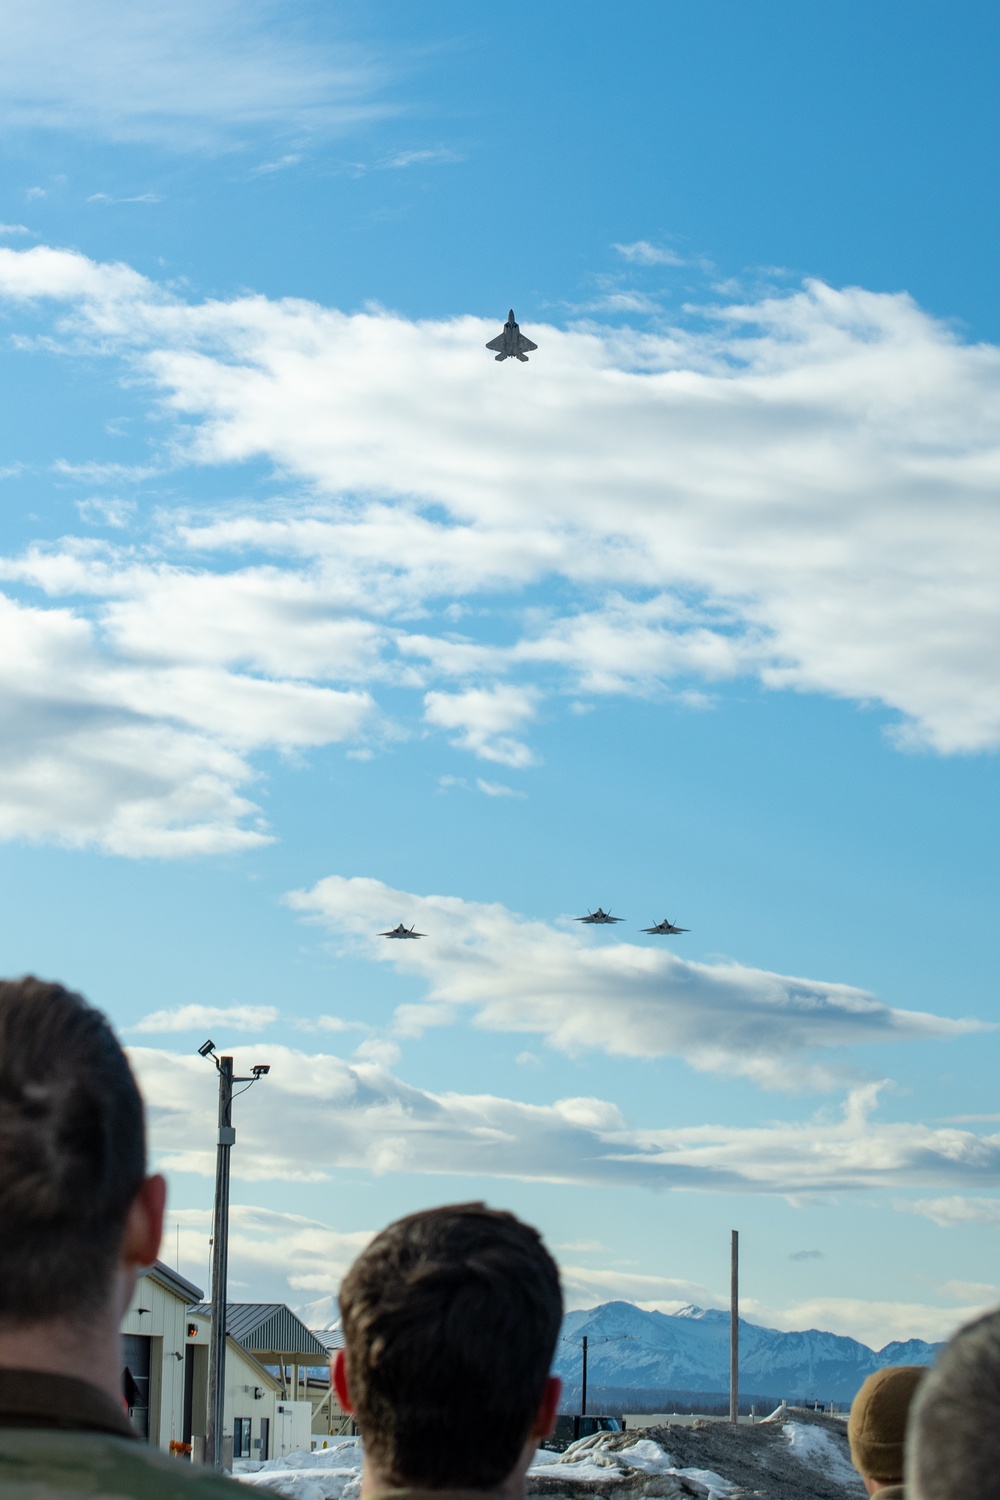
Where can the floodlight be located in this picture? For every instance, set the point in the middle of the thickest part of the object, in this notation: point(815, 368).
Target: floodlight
point(260, 1070)
point(206, 1048)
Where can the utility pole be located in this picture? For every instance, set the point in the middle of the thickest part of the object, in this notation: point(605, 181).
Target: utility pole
point(734, 1327)
point(220, 1250)
point(583, 1383)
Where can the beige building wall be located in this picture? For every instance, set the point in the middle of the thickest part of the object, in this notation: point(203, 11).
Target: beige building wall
point(252, 1394)
point(158, 1311)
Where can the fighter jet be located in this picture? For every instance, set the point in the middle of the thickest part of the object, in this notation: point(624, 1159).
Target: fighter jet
point(511, 343)
point(601, 918)
point(665, 928)
point(403, 932)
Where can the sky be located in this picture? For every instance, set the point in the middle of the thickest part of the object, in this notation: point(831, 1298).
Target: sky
point(316, 619)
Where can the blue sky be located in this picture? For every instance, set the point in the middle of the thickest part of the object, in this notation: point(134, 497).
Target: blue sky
point(316, 619)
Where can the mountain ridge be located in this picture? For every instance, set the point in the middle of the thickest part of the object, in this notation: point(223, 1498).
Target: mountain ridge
point(635, 1349)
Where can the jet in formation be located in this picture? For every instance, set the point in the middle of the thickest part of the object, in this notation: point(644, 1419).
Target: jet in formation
point(511, 342)
point(598, 918)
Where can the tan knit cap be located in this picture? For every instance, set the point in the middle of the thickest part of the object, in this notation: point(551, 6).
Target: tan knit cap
point(877, 1424)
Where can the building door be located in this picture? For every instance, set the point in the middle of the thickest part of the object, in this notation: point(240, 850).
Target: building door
point(135, 1380)
point(188, 1426)
point(265, 1436)
point(241, 1437)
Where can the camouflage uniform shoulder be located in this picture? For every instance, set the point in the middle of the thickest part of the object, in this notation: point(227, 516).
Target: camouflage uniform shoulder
point(42, 1464)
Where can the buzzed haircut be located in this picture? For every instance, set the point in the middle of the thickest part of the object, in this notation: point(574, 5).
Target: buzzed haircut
point(72, 1153)
point(450, 1322)
point(953, 1438)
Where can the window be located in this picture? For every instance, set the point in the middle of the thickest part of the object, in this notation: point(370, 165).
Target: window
point(241, 1437)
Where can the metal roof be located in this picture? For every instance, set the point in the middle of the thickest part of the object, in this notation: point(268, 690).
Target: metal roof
point(330, 1338)
point(267, 1328)
point(173, 1281)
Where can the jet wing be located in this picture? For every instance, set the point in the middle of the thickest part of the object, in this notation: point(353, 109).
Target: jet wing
point(522, 343)
point(497, 343)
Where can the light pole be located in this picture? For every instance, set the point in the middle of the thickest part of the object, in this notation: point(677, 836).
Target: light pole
point(220, 1249)
point(584, 1341)
point(734, 1326)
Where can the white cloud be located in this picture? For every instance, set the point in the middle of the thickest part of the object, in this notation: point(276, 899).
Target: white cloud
point(138, 198)
point(627, 999)
point(194, 76)
point(205, 1017)
point(277, 1256)
point(585, 1286)
point(429, 156)
point(483, 715)
point(315, 1113)
point(272, 1255)
point(141, 757)
point(106, 512)
point(642, 253)
point(14, 229)
point(951, 1211)
point(801, 488)
point(875, 1323)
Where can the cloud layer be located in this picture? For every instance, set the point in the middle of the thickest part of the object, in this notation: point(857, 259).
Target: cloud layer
point(196, 76)
point(624, 998)
point(799, 490)
point(316, 1112)
point(305, 1260)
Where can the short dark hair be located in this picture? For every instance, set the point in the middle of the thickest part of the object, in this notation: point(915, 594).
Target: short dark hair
point(953, 1436)
point(450, 1322)
point(72, 1152)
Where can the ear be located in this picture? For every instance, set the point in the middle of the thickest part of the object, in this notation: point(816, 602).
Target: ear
point(338, 1373)
point(545, 1421)
point(144, 1223)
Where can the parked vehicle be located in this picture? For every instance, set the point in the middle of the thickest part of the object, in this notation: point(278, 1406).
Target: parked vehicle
point(573, 1425)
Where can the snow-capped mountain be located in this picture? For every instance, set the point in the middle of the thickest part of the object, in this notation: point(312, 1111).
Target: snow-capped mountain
point(689, 1351)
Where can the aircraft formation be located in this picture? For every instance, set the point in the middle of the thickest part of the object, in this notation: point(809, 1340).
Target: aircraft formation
point(598, 918)
point(511, 343)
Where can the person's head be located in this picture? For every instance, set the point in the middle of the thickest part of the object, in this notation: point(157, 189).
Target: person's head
point(75, 1202)
point(450, 1322)
point(876, 1427)
point(953, 1443)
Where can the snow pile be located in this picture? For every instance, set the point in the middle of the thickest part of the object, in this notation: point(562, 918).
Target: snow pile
point(592, 1459)
point(325, 1474)
point(820, 1450)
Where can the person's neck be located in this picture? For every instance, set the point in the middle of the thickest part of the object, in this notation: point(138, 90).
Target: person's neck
point(89, 1351)
point(374, 1482)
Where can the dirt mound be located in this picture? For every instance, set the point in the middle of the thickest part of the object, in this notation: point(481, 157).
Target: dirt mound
point(801, 1456)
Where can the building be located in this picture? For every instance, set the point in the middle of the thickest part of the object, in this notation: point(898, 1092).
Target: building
point(276, 1372)
point(260, 1418)
point(268, 1336)
point(153, 1345)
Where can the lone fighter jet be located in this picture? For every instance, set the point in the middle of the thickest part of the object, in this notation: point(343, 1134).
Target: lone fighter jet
point(511, 343)
point(403, 932)
point(665, 928)
point(601, 918)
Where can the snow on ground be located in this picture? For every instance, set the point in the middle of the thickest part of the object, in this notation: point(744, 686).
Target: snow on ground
point(820, 1450)
point(591, 1458)
point(332, 1473)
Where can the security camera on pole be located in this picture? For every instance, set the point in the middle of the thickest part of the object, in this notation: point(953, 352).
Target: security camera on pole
point(220, 1249)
